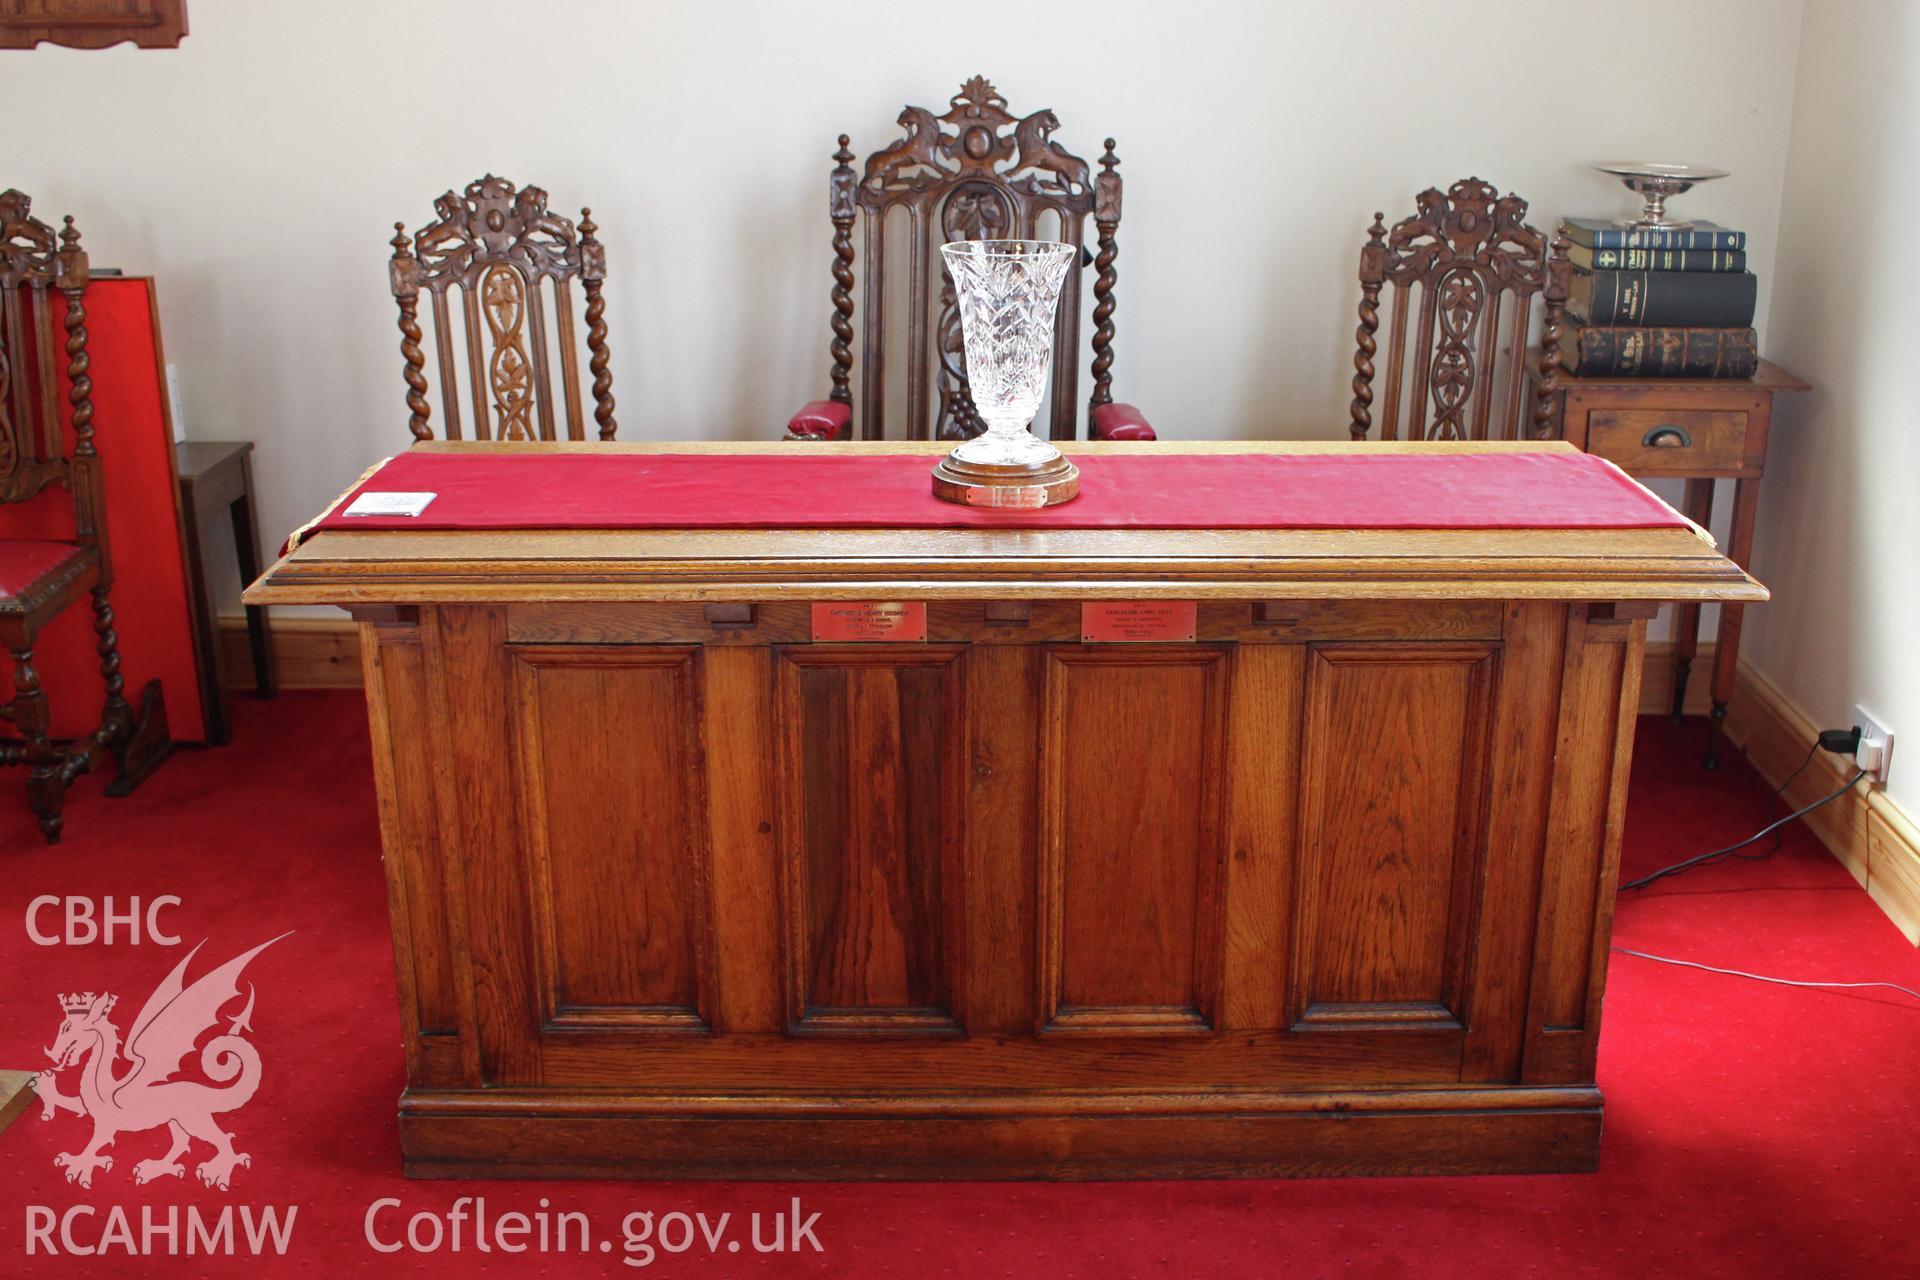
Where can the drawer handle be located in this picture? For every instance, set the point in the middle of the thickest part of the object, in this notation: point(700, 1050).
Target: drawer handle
point(1667, 437)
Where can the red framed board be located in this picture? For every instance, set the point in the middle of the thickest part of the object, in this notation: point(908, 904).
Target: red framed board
point(133, 429)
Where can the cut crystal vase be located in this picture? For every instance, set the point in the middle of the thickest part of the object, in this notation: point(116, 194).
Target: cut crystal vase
point(1008, 294)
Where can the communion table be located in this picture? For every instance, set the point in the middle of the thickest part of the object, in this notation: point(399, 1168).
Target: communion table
point(750, 814)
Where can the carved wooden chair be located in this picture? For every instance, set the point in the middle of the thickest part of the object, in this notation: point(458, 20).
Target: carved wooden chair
point(39, 578)
point(1476, 266)
point(976, 172)
point(511, 259)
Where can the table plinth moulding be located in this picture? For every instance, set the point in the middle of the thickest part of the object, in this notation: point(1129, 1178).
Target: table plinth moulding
point(678, 892)
point(1700, 430)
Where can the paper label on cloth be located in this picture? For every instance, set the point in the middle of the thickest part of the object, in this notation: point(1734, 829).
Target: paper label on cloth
point(1138, 621)
point(868, 620)
point(389, 504)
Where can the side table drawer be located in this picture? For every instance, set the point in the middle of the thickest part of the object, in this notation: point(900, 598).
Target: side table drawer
point(1676, 441)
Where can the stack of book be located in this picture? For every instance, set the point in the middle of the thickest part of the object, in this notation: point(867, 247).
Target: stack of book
point(1658, 304)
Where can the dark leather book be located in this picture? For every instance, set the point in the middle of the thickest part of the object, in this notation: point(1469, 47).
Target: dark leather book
point(1659, 352)
point(1597, 233)
point(1586, 259)
point(1682, 299)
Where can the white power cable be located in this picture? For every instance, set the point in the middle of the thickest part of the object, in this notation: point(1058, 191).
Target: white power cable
point(1761, 977)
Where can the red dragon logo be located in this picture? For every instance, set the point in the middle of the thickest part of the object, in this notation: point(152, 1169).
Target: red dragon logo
point(145, 1095)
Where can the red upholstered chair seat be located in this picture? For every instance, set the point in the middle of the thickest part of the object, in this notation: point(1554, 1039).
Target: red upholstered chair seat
point(1118, 421)
point(829, 419)
point(25, 562)
point(820, 420)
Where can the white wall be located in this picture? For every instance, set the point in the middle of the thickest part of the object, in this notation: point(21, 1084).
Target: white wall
point(1839, 528)
point(258, 170)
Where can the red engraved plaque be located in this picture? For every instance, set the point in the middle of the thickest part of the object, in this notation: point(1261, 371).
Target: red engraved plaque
point(1137, 621)
point(869, 620)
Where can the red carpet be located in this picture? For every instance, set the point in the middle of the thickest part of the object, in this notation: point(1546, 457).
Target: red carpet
point(1751, 1129)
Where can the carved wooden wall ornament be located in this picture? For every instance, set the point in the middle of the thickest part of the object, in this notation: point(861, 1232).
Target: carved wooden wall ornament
point(974, 172)
point(507, 254)
point(92, 24)
point(1465, 251)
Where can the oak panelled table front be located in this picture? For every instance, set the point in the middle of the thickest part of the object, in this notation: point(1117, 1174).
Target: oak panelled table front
point(678, 892)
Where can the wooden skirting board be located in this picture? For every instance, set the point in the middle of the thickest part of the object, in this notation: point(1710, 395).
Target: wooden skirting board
point(1872, 836)
point(1656, 680)
point(309, 653)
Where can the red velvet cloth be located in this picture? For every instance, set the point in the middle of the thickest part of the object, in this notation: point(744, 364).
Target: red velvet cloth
point(1360, 489)
point(1117, 421)
point(24, 562)
point(821, 420)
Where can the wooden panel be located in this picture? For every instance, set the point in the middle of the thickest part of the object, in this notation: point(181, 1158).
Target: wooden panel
point(1600, 690)
point(1524, 738)
point(992, 621)
point(873, 762)
point(686, 623)
point(1393, 776)
point(1129, 892)
point(742, 813)
point(1300, 621)
point(470, 692)
point(1695, 440)
point(410, 833)
point(920, 1062)
point(1262, 832)
point(314, 653)
point(1207, 1135)
point(1002, 837)
point(617, 834)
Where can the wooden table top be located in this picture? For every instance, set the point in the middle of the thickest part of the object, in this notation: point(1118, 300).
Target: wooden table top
point(426, 567)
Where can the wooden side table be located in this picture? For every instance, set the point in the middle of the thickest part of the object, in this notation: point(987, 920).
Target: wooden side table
point(1698, 430)
point(217, 475)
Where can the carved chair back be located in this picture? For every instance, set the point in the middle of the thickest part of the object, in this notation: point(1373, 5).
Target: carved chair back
point(510, 259)
point(975, 172)
point(1475, 266)
point(35, 265)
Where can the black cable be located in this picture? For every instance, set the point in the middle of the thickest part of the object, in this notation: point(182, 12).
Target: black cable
point(1786, 782)
point(1717, 854)
point(1812, 751)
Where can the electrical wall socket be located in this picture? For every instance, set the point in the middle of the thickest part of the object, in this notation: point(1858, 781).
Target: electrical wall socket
point(1876, 744)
